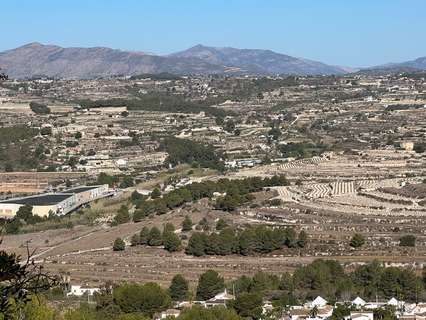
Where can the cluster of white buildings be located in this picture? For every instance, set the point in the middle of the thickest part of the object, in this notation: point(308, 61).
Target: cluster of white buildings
point(319, 309)
point(218, 300)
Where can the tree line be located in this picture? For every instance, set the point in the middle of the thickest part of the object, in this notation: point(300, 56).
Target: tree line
point(39, 108)
point(326, 278)
point(159, 102)
point(191, 152)
point(249, 241)
point(234, 193)
point(246, 241)
point(302, 149)
point(153, 237)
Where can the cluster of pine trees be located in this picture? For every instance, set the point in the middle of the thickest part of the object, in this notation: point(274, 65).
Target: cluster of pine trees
point(328, 279)
point(236, 193)
point(188, 151)
point(154, 237)
point(249, 241)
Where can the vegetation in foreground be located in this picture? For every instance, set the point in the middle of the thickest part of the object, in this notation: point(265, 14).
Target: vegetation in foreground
point(322, 277)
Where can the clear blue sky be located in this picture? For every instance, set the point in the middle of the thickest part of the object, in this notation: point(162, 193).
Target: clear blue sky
point(343, 32)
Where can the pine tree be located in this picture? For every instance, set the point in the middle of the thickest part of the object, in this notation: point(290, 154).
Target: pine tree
point(144, 236)
point(187, 224)
point(154, 237)
point(171, 242)
point(210, 283)
point(179, 288)
point(196, 244)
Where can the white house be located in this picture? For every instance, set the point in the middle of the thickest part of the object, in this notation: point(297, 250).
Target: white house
point(393, 302)
point(420, 308)
point(121, 163)
point(318, 302)
point(79, 291)
point(358, 302)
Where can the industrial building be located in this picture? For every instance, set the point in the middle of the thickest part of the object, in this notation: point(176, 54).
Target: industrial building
point(56, 203)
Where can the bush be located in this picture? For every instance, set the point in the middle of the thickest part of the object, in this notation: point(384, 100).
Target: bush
point(221, 224)
point(118, 245)
point(13, 226)
point(104, 178)
point(135, 240)
point(122, 216)
point(39, 108)
point(187, 224)
point(407, 241)
point(144, 236)
point(275, 202)
point(302, 239)
point(357, 240)
point(127, 182)
point(420, 147)
point(156, 193)
point(46, 131)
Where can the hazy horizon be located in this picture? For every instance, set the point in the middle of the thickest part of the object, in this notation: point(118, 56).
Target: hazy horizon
point(355, 34)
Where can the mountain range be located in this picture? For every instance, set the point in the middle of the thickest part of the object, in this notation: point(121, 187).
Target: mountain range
point(35, 59)
point(407, 66)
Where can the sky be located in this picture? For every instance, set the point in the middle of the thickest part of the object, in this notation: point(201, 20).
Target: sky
point(356, 33)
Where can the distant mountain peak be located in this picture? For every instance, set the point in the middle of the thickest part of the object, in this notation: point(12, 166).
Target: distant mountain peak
point(258, 61)
point(32, 44)
point(198, 46)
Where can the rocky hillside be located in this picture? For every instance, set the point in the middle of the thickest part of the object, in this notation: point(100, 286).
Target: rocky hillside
point(258, 61)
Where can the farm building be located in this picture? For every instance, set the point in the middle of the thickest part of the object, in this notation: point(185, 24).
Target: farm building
point(59, 203)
